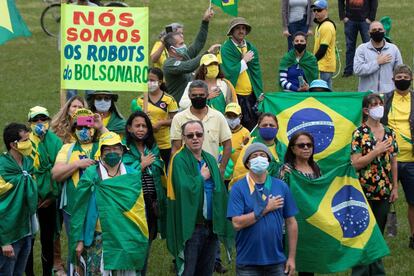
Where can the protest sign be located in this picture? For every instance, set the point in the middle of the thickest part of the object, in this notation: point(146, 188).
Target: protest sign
point(104, 48)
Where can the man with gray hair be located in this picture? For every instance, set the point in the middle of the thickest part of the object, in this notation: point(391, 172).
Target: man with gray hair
point(183, 61)
point(399, 115)
point(375, 61)
point(197, 201)
point(216, 128)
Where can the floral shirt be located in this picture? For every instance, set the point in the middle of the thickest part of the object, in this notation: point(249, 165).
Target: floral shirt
point(376, 177)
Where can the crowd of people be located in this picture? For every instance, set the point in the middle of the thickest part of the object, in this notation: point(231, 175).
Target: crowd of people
point(186, 165)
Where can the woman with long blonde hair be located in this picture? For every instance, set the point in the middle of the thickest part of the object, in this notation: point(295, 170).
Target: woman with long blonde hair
point(61, 122)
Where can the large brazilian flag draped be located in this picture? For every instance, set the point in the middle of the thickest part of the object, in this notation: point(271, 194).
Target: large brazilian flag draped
point(329, 117)
point(228, 6)
point(337, 228)
point(11, 23)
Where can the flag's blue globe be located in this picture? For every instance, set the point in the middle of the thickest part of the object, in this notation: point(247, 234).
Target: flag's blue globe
point(351, 210)
point(315, 121)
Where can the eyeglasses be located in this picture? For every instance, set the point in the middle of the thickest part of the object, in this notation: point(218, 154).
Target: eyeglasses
point(191, 135)
point(317, 10)
point(303, 145)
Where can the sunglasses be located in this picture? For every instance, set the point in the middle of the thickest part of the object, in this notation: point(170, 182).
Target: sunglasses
point(196, 134)
point(317, 10)
point(105, 98)
point(43, 119)
point(303, 145)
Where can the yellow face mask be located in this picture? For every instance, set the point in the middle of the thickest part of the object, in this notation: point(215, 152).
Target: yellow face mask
point(25, 148)
point(212, 71)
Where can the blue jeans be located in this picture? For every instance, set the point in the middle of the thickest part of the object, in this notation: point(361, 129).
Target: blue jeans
point(200, 251)
point(351, 34)
point(260, 270)
point(326, 76)
point(15, 266)
point(294, 27)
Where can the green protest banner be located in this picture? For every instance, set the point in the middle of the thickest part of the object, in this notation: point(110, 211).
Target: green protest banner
point(104, 48)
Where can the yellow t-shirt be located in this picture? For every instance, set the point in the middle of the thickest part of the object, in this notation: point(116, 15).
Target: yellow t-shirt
point(237, 139)
point(325, 34)
point(160, 111)
point(216, 129)
point(163, 56)
point(62, 155)
point(398, 120)
point(243, 85)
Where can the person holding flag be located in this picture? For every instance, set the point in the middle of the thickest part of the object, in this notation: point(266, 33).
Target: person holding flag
point(18, 200)
point(109, 228)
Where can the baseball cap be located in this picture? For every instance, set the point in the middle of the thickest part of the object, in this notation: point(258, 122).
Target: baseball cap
point(234, 108)
point(207, 59)
point(37, 110)
point(109, 139)
point(320, 4)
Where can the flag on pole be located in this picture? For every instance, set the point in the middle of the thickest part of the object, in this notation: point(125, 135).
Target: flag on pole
point(11, 23)
point(228, 6)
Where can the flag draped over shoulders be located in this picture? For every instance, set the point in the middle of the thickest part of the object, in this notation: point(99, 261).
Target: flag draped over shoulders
point(307, 63)
point(185, 192)
point(337, 227)
point(231, 58)
point(11, 23)
point(44, 156)
point(121, 209)
point(133, 159)
point(18, 198)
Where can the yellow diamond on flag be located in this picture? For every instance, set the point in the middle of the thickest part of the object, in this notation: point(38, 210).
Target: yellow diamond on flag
point(5, 20)
point(344, 213)
point(227, 2)
point(331, 131)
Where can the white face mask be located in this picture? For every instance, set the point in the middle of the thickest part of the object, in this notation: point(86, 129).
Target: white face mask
point(377, 112)
point(233, 123)
point(102, 105)
point(152, 86)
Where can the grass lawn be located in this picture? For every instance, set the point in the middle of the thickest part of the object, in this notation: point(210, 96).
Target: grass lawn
point(29, 76)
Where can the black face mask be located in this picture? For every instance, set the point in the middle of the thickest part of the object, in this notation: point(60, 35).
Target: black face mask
point(199, 103)
point(402, 85)
point(377, 36)
point(300, 47)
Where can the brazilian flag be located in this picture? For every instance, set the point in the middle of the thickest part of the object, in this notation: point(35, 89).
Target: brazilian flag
point(337, 229)
point(228, 6)
point(329, 117)
point(11, 23)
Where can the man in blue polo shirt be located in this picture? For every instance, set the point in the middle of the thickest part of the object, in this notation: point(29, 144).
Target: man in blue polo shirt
point(258, 206)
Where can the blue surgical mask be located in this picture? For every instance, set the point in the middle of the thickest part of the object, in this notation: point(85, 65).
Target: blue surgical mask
point(268, 133)
point(233, 123)
point(259, 164)
point(182, 51)
point(102, 105)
